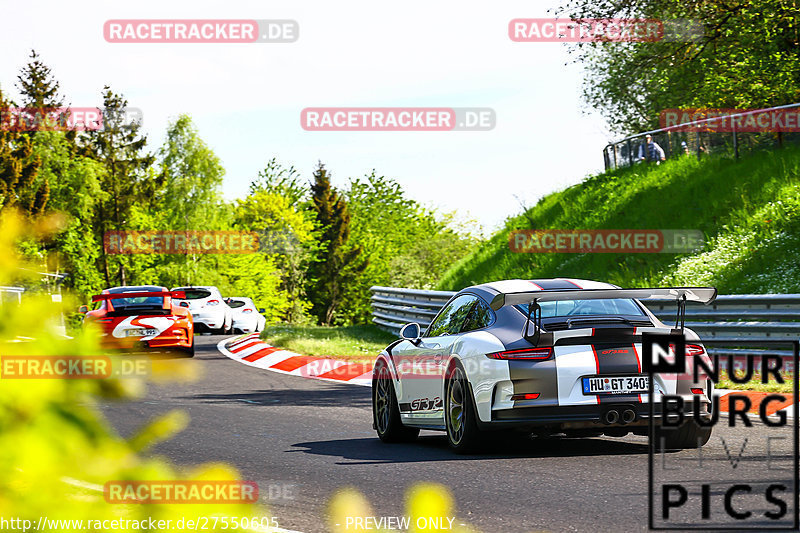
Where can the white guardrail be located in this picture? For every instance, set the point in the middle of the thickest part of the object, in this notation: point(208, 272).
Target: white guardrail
point(746, 317)
point(11, 294)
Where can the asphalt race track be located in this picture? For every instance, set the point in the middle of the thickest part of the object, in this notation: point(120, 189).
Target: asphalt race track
point(302, 439)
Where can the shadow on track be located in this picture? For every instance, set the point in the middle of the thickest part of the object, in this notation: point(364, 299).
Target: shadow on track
point(330, 396)
point(434, 448)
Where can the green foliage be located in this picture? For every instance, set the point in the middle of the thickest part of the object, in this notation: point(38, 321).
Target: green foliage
point(287, 237)
point(339, 261)
point(58, 450)
point(280, 180)
point(405, 244)
point(19, 169)
point(190, 178)
point(125, 182)
point(748, 211)
point(75, 187)
point(317, 245)
point(747, 57)
point(356, 343)
point(38, 86)
point(756, 384)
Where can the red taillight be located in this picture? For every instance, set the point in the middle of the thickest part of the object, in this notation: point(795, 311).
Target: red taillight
point(529, 396)
point(523, 354)
point(691, 349)
point(694, 349)
point(698, 391)
point(212, 302)
point(247, 311)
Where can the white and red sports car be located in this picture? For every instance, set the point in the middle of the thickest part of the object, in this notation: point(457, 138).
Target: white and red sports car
point(542, 356)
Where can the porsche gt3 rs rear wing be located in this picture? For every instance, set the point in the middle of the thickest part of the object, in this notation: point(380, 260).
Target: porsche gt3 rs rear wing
point(140, 309)
point(178, 295)
point(704, 295)
point(681, 295)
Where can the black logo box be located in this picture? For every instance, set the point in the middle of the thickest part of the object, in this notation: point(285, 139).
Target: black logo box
point(735, 452)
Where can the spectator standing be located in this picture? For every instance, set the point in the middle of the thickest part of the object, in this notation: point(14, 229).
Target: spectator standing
point(651, 151)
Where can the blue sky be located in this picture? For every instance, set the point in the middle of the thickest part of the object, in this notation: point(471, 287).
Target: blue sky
point(246, 99)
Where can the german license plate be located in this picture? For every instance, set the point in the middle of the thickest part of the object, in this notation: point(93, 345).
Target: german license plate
point(141, 332)
point(615, 384)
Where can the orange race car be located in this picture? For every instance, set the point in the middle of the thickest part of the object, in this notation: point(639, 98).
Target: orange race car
point(142, 317)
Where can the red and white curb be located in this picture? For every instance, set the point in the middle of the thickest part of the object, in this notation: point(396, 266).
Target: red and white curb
point(252, 351)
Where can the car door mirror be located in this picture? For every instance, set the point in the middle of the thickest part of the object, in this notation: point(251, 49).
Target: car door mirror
point(261, 310)
point(83, 309)
point(410, 332)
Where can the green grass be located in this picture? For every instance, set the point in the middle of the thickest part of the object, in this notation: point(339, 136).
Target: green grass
point(749, 211)
point(355, 343)
point(755, 384)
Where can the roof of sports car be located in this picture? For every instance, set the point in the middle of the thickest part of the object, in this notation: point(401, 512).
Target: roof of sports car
point(553, 284)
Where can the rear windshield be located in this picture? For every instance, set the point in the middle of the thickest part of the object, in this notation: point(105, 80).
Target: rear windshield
point(195, 294)
point(138, 301)
point(608, 307)
point(148, 301)
point(235, 304)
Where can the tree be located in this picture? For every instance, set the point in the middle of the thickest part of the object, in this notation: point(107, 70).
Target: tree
point(280, 180)
point(191, 176)
point(119, 147)
point(74, 190)
point(339, 262)
point(38, 86)
point(19, 168)
point(746, 56)
point(41, 95)
point(405, 244)
point(287, 238)
point(190, 179)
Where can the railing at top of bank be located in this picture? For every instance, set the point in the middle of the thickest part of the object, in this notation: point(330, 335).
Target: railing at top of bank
point(724, 134)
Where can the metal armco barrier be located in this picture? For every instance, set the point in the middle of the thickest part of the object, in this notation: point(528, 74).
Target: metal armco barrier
point(392, 307)
point(750, 318)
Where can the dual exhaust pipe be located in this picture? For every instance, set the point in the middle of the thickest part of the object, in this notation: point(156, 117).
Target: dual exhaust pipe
point(613, 416)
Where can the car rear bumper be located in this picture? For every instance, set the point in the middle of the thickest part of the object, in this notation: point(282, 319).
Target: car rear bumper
point(578, 416)
point(180, 339)
point(245, 325)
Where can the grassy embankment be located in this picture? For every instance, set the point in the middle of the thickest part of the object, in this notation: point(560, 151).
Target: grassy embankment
point(355, 343)
point(748, 210)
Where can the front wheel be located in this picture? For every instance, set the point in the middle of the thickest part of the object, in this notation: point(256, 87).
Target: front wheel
point(460, 420)
point(385, 412)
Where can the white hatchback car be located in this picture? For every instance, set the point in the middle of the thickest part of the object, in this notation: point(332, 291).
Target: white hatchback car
point(246, 318)
point(208, 308)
